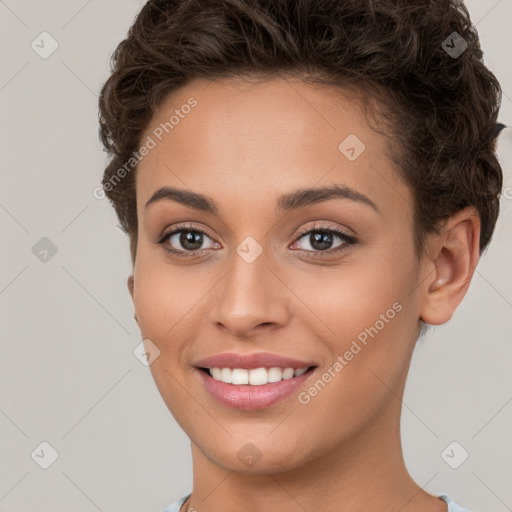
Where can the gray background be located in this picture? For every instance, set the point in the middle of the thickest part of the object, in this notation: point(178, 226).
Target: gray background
point(68, 373)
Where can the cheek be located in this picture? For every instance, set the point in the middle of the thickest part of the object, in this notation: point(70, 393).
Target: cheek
point(344, 300)
point(163, 297)
point(367, 314)
point(369, 356)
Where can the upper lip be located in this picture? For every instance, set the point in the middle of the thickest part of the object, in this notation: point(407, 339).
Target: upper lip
point(251, 361)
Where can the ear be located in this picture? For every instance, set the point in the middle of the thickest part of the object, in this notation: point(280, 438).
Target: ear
point(130, 289)
point(130, 285)
point(453, 256)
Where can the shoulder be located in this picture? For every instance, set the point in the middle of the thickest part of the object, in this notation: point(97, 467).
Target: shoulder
point(452, 506)
point(175, 507)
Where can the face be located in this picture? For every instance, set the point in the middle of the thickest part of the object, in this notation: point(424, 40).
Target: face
point(326, 278)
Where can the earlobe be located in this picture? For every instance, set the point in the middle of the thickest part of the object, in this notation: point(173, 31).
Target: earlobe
point(454, 259)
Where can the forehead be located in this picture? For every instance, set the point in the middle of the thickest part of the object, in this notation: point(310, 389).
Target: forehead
point(254, 138)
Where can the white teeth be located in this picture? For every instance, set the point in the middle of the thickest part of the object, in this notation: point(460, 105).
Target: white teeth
point(300, 372)
point(256, 376)
point(288, 373)
point(225, 375)
point(239, 376)
point(275, 374)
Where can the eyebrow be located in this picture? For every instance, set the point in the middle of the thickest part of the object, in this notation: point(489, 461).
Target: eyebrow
point(287, 202)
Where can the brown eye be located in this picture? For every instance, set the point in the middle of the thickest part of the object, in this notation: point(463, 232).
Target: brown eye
point(320, 239)
point(183, 241)
point(189, 240)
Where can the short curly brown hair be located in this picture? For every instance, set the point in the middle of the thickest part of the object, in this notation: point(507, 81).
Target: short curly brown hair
point(420, 58)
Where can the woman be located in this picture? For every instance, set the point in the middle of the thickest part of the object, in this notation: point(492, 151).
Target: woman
point(306, 186)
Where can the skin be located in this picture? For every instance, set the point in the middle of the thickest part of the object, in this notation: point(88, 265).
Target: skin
point(244, 145)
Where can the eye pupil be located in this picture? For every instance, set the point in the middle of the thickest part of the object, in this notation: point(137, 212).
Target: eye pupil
point(188, 238)
point(324, 240)
point(191, 240)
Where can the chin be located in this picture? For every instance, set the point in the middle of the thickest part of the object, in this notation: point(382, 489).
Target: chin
point(256, 454)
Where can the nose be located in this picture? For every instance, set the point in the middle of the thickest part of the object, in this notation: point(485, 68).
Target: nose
point(249, 297)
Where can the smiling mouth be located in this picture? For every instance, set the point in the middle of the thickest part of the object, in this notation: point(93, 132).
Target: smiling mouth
point(256, 376)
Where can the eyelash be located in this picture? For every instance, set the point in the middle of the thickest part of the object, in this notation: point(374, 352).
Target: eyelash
point(348, 239)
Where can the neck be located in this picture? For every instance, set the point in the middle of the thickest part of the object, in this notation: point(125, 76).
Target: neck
point(365, 472)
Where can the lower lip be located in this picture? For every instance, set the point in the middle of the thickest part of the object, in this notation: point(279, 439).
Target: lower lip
point(249, 398)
